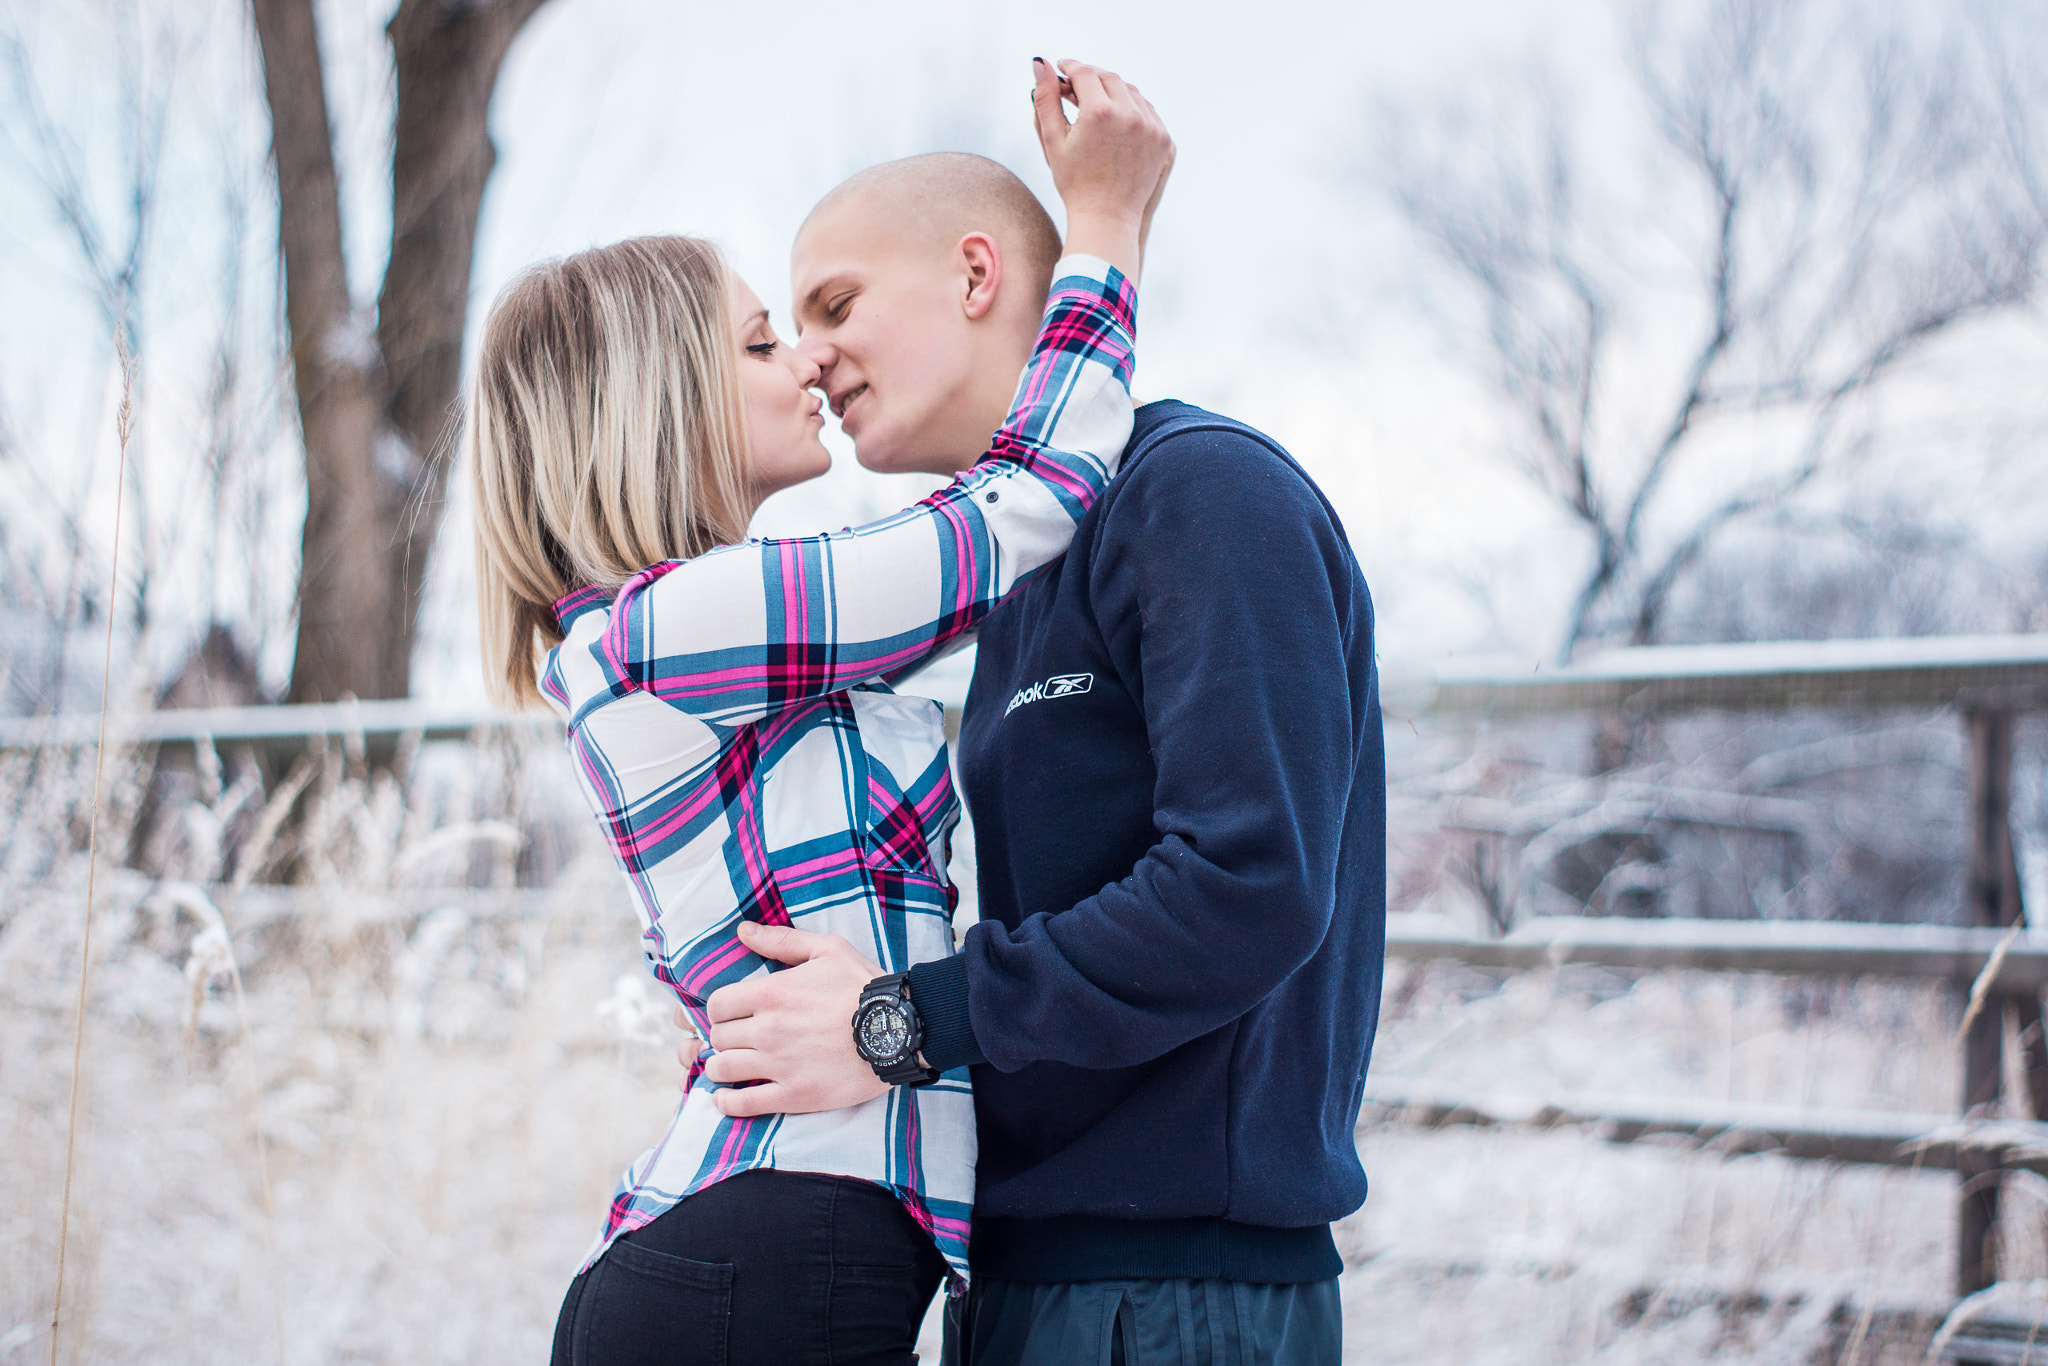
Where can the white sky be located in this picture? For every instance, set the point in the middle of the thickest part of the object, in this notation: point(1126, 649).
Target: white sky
point(1279, 290)
point(1268, 265)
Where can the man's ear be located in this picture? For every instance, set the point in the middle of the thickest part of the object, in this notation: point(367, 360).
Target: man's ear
point(981, 264)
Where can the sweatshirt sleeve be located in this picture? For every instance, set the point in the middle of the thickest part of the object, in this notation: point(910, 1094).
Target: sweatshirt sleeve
point(734, 634)
point(1239, 588)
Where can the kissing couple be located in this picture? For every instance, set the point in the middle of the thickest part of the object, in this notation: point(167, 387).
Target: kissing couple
point(1114, 1119)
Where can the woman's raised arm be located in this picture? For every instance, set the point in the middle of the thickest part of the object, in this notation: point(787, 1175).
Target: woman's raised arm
point(732, 635)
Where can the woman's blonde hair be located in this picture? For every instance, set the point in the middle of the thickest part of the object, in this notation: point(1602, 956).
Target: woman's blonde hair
point(606, 433)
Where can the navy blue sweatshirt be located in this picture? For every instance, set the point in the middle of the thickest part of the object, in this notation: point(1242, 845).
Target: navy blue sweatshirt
point(1173, 758)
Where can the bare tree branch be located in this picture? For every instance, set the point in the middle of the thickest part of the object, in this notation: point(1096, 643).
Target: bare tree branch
point(112, 251)
point(1846, 206)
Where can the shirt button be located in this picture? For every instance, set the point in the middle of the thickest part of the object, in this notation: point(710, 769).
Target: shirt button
point(992, 495)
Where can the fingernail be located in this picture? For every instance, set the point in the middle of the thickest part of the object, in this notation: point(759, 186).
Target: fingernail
point(1039, 60)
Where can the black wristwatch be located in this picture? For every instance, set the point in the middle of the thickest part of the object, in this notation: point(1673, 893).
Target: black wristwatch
point(887, 1032)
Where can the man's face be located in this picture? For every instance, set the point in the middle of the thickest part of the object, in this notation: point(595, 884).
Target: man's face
point(883, 320)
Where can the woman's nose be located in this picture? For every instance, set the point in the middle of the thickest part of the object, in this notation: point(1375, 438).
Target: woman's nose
point(808, 371)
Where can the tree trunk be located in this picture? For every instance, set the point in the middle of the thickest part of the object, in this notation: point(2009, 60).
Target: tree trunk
point(447, 56)
point(343, 587)
point(374, 409)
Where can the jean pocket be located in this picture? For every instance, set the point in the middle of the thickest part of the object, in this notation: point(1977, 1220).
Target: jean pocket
point(652, 1308)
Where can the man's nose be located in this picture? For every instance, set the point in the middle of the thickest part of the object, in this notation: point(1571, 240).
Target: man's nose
point(816, 352)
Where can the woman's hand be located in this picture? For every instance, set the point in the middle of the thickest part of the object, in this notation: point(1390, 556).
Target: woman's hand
point(1110, 163)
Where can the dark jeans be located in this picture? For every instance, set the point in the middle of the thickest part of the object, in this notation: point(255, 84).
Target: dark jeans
point(768, 1267)
point(1148, 1323)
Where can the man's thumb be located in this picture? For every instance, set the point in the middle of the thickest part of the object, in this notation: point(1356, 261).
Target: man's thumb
point(783, 943)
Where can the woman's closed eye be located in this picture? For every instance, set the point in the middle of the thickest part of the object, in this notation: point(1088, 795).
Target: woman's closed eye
point(763, 349)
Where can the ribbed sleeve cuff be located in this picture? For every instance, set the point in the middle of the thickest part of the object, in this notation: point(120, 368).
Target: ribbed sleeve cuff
point(939, 991)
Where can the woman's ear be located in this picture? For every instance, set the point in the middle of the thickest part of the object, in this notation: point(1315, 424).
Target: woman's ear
point(981, 264)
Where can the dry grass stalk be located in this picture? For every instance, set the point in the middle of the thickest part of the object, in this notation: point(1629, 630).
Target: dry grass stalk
point(124, 420)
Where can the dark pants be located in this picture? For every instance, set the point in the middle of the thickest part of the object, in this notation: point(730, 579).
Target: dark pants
point(1147, 1323)
point(767, 1267)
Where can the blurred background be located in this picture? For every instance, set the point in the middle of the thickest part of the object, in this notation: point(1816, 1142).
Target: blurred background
point(1624, 336)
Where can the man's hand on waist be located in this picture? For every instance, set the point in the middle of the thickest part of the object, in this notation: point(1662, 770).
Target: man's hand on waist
point(792, 1031)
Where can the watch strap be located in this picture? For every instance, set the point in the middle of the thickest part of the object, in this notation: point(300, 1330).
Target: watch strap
point(895, 984)
point(907, 1072)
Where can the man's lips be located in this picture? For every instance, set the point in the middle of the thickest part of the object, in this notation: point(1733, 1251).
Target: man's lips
point(839, 404)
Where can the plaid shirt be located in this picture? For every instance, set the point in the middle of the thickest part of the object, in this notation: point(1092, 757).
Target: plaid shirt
point(733, 729)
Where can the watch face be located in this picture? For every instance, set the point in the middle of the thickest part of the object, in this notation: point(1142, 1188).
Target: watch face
point(884, 1031)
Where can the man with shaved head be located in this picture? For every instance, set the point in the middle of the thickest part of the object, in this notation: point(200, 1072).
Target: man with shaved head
point(948, 257)
point(1173, 758)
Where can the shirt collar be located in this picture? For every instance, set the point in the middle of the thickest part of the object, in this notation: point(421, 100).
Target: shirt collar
point(573, 605)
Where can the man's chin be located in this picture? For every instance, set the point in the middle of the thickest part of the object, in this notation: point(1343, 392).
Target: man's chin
point(890, 462)
point(878, 453)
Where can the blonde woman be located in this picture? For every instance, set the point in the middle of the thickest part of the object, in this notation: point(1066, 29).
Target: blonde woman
point(732, 728)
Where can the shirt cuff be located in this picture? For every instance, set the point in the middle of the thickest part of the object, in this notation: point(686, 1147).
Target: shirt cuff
point(1102, 282)
point(1082, 264)
point(939, 991)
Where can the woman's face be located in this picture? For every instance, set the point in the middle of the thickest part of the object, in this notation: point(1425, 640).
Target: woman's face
point(783, 415)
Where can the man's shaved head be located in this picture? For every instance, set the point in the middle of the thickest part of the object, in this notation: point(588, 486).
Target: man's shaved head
point(935, 199)
point(918, 286)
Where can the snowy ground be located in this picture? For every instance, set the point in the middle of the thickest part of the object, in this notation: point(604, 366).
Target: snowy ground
point(445, 1098)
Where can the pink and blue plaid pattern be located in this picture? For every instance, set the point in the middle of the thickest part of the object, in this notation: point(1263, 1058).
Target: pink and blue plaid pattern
point(732, 726)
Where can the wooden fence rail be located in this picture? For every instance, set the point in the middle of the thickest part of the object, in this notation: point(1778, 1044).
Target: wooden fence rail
point(1998, 673)
point(1987, 679)
point(265, 728)
point(1800, 947)
point(1985, 966)
point(1879, 1138)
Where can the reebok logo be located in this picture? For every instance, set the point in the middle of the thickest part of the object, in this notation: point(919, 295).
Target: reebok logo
point(1059, 685)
